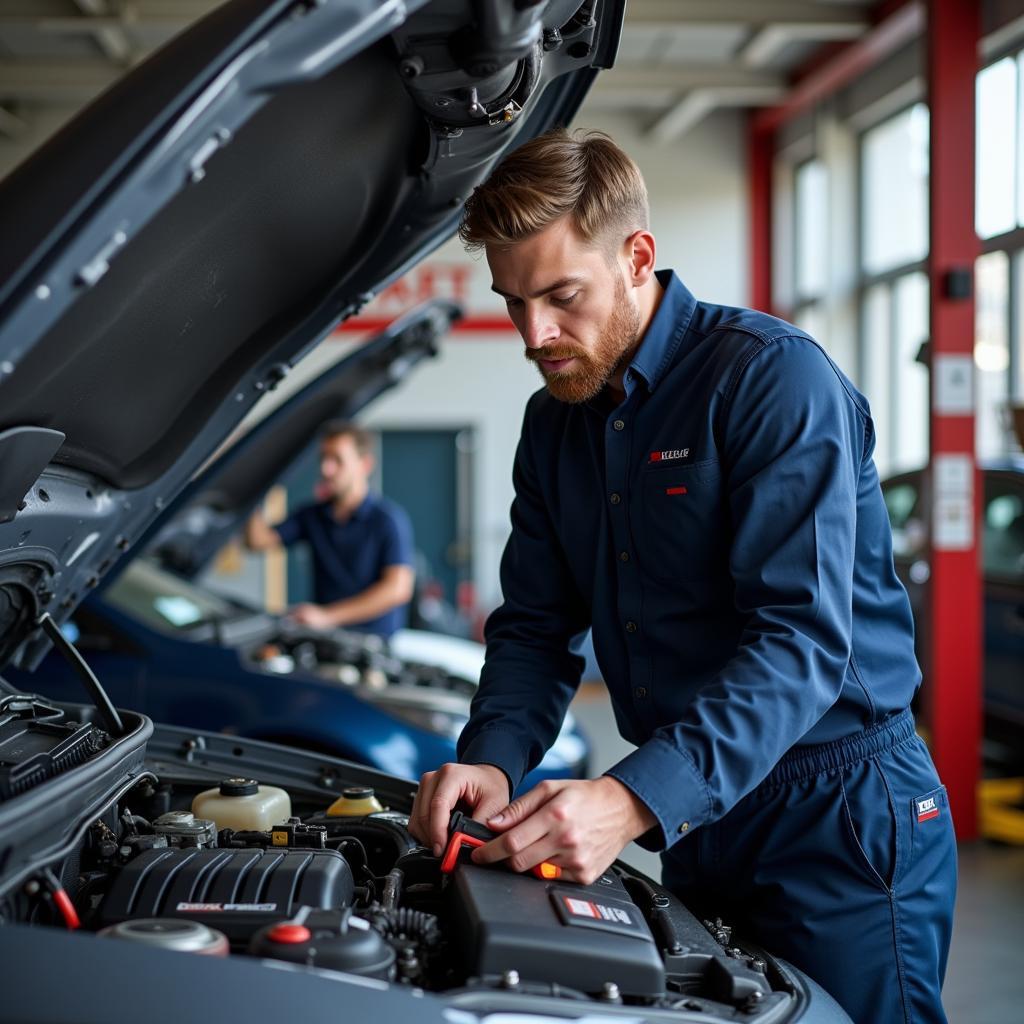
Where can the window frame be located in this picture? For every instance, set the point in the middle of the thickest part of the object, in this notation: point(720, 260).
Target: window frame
point(888, 280)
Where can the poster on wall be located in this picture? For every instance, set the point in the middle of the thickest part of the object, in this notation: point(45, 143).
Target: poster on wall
point(449, 274)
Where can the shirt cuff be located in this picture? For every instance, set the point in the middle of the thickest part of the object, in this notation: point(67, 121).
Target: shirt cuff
point(666, 779)
point(500, 749)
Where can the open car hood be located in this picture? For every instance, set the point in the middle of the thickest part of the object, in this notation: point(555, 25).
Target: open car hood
point(173, 252)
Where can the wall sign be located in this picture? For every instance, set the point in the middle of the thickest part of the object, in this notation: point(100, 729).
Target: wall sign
point(953, 506)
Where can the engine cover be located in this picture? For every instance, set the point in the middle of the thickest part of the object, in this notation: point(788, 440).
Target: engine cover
point(234, 891)
point(571, 935)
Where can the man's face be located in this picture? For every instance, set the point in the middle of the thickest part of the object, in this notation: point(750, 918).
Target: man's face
point(571, 305)
point(342, 468)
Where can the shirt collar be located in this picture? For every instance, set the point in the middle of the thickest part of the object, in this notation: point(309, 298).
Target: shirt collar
point(365, 506)
point(665, 332)
point(361, 511)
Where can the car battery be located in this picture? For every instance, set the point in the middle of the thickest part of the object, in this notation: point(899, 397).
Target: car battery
point(571, 935)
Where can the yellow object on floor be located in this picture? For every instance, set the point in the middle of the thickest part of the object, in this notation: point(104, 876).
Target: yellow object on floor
point(1001, 810)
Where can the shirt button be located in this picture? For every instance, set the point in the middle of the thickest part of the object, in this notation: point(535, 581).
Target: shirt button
point(685, 827)
point(615, 498)
point(630, 626)
point(623, 556)
point(619, 424)
point(641, 692)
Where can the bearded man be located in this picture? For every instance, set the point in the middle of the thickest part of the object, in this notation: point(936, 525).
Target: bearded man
point(695, 483)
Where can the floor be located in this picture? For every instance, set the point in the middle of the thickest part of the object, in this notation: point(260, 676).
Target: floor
point(985, 980)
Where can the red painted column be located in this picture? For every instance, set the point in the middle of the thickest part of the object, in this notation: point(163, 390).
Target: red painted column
point(759, 171)
point(954, 638)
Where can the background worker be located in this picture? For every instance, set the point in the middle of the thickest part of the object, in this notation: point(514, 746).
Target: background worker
point(361, 543)
point(696, 483)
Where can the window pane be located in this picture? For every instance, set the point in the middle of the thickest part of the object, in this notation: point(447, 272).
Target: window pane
point(1018, 121)
point(910, 390)
point(992, 352)
point(876, 321)
point(996, 102)
point(894, 199)
point(811, 225)
point(811, 318)
point(1017, 384)
point(1003, 542)
point(908, 533)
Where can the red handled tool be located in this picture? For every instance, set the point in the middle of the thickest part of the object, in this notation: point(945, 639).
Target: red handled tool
point(465, 833)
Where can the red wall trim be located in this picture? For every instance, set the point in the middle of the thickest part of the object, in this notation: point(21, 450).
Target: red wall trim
point(905, 23)
point(472, 324)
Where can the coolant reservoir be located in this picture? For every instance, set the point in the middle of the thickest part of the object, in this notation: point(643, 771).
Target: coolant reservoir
point(355, 802)
point(243, 805)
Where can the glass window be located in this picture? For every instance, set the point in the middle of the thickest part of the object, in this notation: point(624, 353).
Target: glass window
point(908, 533)
point(811, 229)
point(1019, 154)
point(875, 373)
point(996, 146)
point(992, 352)
point(1003, 544)
point(910, 375)
point(811, 318)
point(1017, 383)
point(894, 176)
point(163, 601)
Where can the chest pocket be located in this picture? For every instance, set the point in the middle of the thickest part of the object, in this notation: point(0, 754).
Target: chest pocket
point(683, 526)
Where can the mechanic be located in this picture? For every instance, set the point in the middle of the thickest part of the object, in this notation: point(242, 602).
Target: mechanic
point(696, 483)
point(361, 543)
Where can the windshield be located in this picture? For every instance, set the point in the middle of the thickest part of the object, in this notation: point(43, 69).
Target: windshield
point(165, 601)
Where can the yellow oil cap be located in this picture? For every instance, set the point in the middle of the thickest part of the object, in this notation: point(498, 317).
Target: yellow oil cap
point(355, 802)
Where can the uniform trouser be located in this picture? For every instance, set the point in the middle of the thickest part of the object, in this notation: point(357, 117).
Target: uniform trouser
point(842, 862)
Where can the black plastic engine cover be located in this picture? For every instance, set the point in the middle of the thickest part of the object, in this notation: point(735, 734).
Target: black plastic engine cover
point(235, 891)
point(571, 935)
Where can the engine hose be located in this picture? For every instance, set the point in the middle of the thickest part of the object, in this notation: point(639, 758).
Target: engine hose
point(404, 922)
point(392, 888)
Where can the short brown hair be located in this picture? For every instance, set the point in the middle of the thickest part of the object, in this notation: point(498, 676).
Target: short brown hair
point(584, 174)
point(362, 439)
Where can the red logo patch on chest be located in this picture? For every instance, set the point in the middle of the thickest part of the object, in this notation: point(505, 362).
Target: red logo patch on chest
point(670, 455)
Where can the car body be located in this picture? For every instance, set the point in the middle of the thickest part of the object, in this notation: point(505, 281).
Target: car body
point(180, 653)
point(1002, 545)
point(168, 258)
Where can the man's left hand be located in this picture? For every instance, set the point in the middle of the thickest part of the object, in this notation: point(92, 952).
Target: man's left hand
point(312, 615)
point(580, 825)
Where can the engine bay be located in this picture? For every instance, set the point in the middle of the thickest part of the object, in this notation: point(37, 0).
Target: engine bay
point(317, 870)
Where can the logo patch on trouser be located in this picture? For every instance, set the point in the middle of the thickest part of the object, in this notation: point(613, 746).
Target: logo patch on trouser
point(927, 807)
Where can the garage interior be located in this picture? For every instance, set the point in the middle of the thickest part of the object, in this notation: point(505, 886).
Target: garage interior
point(854, 167)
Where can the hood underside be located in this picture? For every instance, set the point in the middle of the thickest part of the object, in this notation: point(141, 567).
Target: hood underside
point(173, 252)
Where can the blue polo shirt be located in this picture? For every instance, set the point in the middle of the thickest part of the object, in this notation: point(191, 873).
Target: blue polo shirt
point(348, 557)
point(723, 531)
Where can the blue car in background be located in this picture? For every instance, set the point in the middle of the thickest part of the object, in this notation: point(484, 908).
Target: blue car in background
point(1002, 539)
point(189, 656)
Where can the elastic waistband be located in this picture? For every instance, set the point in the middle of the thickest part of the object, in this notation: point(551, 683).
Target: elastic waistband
point(807, 761)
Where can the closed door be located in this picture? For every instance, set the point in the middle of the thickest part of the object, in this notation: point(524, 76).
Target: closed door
point(427, 472)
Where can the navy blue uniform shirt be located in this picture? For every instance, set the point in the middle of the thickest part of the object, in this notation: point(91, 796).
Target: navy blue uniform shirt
point(348, 557)
point(723, 531)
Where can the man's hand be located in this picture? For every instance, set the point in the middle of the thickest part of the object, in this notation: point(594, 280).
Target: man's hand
point(580, 825)
point(312, 615)
point(482, 787)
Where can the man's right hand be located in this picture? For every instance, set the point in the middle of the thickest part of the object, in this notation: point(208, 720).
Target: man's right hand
point(482, 787)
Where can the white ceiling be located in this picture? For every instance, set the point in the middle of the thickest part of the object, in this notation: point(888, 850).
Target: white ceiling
point(679, 60)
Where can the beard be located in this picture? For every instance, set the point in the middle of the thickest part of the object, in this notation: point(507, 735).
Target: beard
point(594, 368)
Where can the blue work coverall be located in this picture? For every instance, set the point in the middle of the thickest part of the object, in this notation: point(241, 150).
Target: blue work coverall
point(722, 530)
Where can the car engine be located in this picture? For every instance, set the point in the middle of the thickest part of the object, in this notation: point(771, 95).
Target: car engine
point(324, 875)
